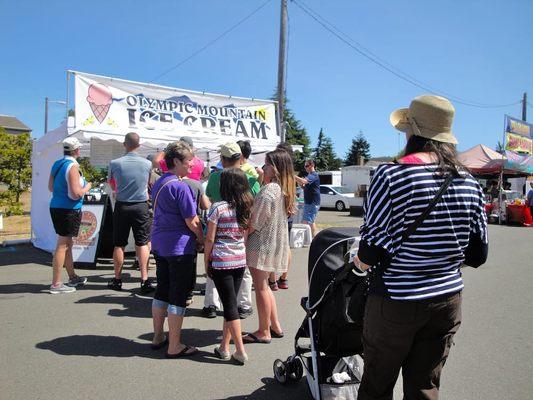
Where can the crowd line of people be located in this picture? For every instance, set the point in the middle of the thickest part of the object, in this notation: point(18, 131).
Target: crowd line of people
point(424, 219)
point(240, 217)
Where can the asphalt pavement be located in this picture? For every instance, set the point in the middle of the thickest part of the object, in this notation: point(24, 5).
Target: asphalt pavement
point(95, 343)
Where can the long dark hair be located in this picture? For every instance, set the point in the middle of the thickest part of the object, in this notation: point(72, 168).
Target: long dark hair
point(446, 153)
point(284, 176)
point(234, 189)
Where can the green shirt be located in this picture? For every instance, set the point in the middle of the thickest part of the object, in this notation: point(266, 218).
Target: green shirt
point(213, 186)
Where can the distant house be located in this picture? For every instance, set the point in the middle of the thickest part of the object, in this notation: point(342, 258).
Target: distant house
point(13, 125)
point(376, 161)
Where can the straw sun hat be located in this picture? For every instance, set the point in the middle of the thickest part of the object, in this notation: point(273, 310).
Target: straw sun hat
point(428, 116)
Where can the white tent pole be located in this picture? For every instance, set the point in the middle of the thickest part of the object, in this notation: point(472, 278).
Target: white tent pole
point(68, 95)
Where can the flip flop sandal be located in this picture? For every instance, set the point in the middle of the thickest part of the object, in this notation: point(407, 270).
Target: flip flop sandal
point(276, 335)
point(183, 353)
point(251, 338)
point(159, 345)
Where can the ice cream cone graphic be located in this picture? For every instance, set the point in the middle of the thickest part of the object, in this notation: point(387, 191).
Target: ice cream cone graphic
point(99, 98)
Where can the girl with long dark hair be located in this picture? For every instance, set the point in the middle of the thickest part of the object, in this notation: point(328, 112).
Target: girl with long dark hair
point(414, 307)
point(225, 254)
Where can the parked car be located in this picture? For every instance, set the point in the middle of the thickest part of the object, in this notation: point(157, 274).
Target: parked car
point(338, 197)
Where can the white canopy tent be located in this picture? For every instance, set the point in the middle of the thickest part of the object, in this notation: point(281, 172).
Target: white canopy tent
point(107, 108)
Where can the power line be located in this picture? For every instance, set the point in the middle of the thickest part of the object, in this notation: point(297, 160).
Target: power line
point(211, 42)
point(360, 49)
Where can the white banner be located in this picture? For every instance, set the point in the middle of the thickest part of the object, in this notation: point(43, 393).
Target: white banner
point(115, 107)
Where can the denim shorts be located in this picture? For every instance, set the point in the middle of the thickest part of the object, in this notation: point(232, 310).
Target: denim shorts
point(310, 212)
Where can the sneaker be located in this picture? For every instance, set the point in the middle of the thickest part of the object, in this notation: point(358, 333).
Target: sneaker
point(283, 283)
point(239, 359)
point(77, 281)
point(245, 312)
point(189, 302)
point(273, 285)
point(209, 312)
point(223, 355)
point(115, 284)
point(61, 288)
point(147, 286)
point(135, 265)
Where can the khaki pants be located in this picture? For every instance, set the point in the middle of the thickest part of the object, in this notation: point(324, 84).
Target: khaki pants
point(415, 336)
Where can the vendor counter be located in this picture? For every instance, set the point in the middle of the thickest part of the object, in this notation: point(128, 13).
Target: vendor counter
point(519, 214)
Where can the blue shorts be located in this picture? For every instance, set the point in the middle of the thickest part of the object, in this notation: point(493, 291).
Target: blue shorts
point(310, 212)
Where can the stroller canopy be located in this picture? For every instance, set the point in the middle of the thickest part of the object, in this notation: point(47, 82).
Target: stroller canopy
point(326, 255)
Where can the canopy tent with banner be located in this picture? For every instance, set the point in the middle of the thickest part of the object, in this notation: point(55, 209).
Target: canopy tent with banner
point(107, 108)
point(482, 160)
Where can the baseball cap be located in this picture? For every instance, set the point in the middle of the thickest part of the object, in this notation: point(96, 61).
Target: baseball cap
point(187, 140)
point(71, 144)
point(230, 149)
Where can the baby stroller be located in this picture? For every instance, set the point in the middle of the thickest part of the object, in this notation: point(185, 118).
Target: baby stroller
point(328, 344)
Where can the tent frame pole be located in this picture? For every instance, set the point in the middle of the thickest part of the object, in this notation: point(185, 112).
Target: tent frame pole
point(500, 194)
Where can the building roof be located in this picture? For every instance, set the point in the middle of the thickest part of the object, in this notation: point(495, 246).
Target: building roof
point(376, 161)
point(9, 122)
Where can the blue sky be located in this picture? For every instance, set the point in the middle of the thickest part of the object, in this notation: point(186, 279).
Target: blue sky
point(476, 50)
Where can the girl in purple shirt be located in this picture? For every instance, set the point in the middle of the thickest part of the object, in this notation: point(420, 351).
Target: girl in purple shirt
point(176, 233)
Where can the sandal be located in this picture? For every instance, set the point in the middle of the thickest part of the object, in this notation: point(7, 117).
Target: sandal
point(159, 345)
point(185, 352)
point(283, 283)
point(273, 285)
point(276, 335)
point(251, 338)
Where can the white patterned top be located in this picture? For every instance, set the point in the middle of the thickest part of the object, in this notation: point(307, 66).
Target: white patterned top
point(268, 244)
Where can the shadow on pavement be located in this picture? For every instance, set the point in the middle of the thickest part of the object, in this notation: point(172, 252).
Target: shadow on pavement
point(24, 288)
point(24, 254)
point(274, 390)
point(194, 337)
point(132, 304)
point(114, 346)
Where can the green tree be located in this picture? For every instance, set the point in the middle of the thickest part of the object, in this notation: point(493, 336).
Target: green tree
point(359, 148)
point(324, 155)
point(296, 134)
point(92, 174)
point(15, 168)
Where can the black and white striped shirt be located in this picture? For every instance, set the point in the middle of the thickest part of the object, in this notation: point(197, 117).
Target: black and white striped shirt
point(428, 263)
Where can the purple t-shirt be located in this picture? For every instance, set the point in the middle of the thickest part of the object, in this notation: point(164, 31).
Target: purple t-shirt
point(170, 234)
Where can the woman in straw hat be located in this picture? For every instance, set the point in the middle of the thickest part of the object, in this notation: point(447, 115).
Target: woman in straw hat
point(414, 304)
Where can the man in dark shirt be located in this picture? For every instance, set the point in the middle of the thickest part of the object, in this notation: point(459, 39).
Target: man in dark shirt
point(311, 185)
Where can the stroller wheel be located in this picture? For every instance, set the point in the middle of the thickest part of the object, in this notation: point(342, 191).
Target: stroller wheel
point(280, 371)
point(295, 369)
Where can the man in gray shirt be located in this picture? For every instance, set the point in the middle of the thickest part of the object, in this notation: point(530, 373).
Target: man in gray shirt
point(129, 175)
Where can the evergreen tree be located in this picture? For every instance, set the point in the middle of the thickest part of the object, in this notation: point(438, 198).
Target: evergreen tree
point(324, 155)
point(295, 133)
point(359, 148)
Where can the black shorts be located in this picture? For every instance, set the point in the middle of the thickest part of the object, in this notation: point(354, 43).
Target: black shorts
point(66, 221)
point(174, 276)
point(128, 216)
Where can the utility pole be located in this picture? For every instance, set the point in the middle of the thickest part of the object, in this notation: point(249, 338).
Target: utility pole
point(281, 69)
point(45, 115)
point(524, 107)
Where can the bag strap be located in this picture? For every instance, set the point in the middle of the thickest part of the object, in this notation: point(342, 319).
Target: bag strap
point(59, 168)
point(162, 186)
point(413, 227)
